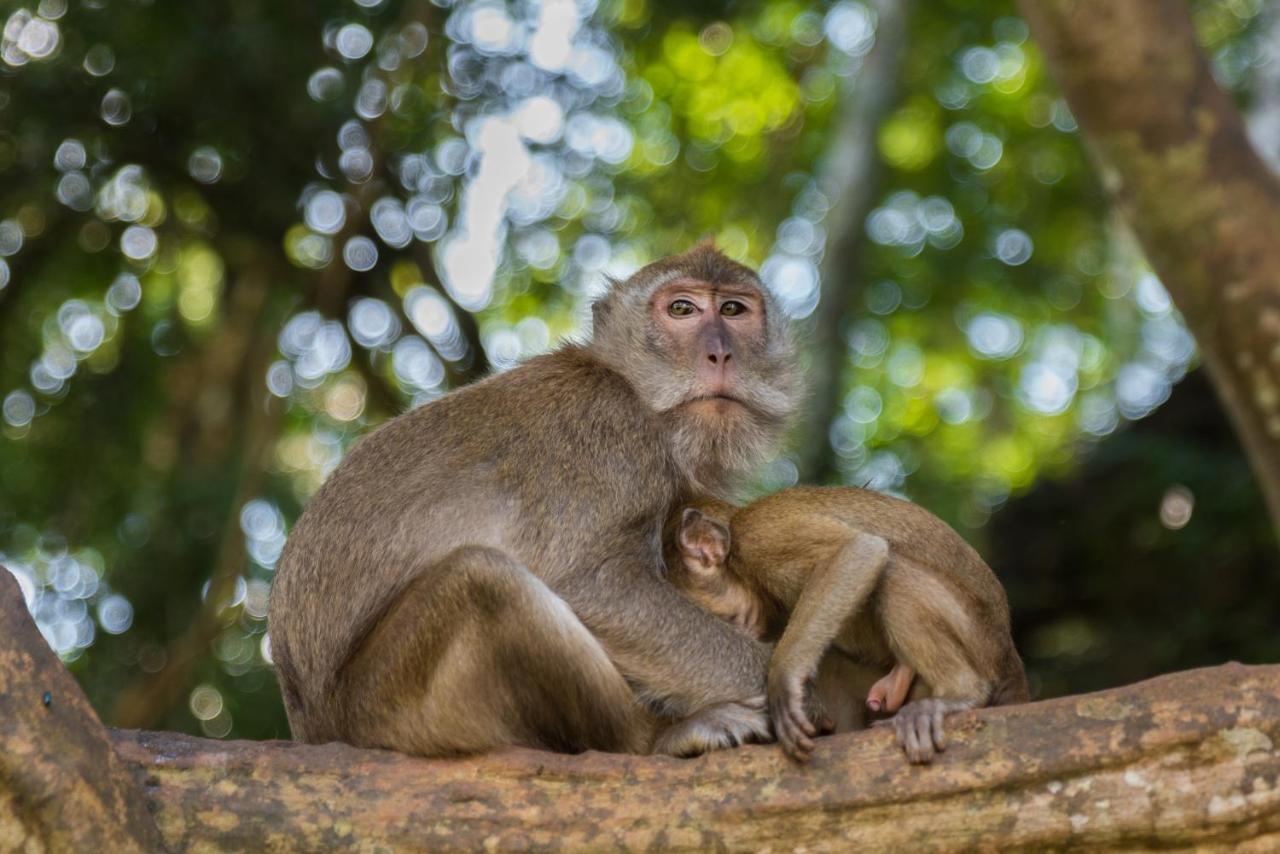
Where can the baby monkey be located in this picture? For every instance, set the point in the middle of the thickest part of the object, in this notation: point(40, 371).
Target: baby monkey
point(881, 579)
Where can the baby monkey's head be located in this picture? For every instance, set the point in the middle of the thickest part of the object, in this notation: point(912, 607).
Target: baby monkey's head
point(704, 575)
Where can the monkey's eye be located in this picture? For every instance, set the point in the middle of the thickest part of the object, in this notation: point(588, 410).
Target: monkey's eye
point(732, 308)
point(681, 308)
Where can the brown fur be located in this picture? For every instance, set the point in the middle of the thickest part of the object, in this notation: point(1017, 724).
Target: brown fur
point(882, 579)
point(485, 570)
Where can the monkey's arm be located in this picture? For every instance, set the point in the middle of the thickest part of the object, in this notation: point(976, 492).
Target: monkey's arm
point(835, 590)
point(679, 657)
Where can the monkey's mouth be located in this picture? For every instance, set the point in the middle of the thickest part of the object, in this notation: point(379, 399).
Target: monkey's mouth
point(716, 398)
point(719, 404)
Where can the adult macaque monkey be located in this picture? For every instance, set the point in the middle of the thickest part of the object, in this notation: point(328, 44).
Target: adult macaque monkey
point(882, 579)
point(486, 569)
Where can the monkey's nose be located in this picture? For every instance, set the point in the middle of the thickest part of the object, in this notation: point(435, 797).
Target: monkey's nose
point(717, 349)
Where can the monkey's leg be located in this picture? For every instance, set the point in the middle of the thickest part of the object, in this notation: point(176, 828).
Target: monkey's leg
point(681, 660)
point(478, 653)
point(833, 593)
point(929, 628)
point(841, 684)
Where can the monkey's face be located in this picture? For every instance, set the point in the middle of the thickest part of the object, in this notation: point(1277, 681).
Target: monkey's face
point(710, 331)
point(701, 340)
point(705, 577)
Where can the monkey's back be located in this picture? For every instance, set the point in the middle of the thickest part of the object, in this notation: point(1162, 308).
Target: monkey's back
point(911, 531)
point(929, 561)
point(508, 462)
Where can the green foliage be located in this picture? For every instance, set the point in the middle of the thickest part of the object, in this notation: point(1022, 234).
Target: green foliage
point(233, 238)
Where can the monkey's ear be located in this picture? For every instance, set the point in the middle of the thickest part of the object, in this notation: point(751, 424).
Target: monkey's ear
point(599, 313)
point(602, 306)
point(704, 539)
point(717, 540)
point(688, 537)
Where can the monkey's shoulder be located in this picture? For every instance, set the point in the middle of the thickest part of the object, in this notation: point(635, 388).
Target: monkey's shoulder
point(564, 389)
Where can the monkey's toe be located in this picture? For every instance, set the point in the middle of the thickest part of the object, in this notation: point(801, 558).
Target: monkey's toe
point(921, 727)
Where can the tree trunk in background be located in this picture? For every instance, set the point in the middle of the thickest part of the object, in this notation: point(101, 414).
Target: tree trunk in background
point(1187, 760)
point(849, 178)
point(1174, 156)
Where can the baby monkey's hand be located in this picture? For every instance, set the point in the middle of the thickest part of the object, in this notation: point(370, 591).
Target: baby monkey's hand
point(796, 713)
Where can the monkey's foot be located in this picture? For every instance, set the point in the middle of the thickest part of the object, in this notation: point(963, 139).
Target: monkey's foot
point(919, 726)
point(716, 728)
point(890, 692)
point(797, 715)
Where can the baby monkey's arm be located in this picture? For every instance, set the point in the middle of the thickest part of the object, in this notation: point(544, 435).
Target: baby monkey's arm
point(834, 591)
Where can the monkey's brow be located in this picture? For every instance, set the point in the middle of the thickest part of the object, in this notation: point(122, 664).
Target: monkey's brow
point(731, 289)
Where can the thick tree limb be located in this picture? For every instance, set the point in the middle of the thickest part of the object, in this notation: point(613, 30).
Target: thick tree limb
point(1183, 760)
point(1188, 760)
point(62, 787)
point(1174, 156)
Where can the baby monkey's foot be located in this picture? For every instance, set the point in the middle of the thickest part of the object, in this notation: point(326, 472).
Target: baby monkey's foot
point(797, 715)
point(919, 726)
point(890, 692)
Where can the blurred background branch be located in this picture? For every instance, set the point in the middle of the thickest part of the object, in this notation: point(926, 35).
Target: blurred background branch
point(850, 176)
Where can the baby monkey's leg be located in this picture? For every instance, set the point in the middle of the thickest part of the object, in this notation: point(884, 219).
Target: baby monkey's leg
point(890, 692)
point(929, 627)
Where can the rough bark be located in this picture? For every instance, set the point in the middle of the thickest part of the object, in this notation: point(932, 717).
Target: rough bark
point(1187, 760)
point(1183, 760)
point(850, 178)
point(1174, 156)
point(62, 786)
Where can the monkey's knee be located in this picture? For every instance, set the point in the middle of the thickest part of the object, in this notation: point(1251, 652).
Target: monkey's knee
point(558, 686)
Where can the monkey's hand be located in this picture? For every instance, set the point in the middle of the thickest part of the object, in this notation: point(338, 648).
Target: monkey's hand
point(797, 714)
point(716, 728)
point(920, 727)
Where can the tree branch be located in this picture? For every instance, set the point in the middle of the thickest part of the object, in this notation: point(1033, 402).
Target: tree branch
point(1173, 155)
point(62, 786)
point(1187, 760)
point(1182, 760)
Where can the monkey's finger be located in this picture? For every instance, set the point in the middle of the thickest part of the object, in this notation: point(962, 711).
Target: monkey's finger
point(873, 703)
point(794, 735)
point(907, 739)
point(795, 712)
point(800, 747)
point(799, 727)
point(924, 737)
point(939, 729)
